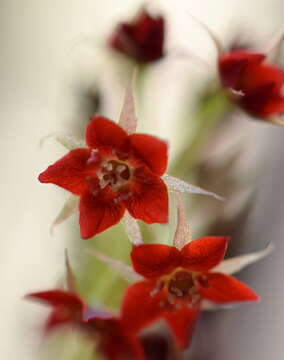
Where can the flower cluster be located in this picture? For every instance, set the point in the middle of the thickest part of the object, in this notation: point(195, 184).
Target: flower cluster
point(117, 174)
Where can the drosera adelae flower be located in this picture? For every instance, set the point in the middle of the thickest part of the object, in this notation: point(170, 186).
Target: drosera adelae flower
point(119, 170)
point(141, 39)
point(180, 281)
point(102, 327)
point(251, 79)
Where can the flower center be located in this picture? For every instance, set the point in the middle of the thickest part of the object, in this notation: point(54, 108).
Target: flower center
point(182, 284)
point(114, 173)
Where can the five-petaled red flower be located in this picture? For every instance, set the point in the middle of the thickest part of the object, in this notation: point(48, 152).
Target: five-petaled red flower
point(257, 84)
point(112, 337)
point(176, 283)
point(116, 172)
point(142, 39)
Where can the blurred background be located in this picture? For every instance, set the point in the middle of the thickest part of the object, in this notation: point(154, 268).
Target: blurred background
point(56, 70)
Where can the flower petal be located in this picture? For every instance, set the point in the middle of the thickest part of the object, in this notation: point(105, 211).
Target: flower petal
point(98, 213)
point(154, 260)
point(102, 132)
point(182, 323)
point(57, 298)
point(221, 288)
point(149, 200)
point(234, 65)
point(204, 253)
point(69, 172)
point(150, 149)
point(177, 185)
point(140, 307)
point(237, 263)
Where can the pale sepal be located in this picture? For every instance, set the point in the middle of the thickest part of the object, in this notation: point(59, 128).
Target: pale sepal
point(237, 263)
point(66, 140)
point(132, 229)
point(276, 120)
point(211, 306)
point(127, 118)
point(183, 233)
point(273, 47)
point(70, 277)
point(176, 185)
point(217, 43)
point(122, 269)
point(69, 207)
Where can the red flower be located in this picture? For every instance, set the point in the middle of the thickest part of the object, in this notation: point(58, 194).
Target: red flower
point(68, 309)
point(185, 274)
point(176, 283)
point(253, 83)
point(258, 83)
point(142, 39)
point(116, 172)
point(115, 341)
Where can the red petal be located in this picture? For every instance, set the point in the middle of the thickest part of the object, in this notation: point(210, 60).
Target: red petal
point(182, 323)
point(102, 132)
point(152, 151)
point(233, 65)
point(98, 213)
point(140, 306)
point(149, 201)
point(154, 260)
point(69, 172)
point(263, 96)
point(221, 288)
point(204, 253)
point(57, 298)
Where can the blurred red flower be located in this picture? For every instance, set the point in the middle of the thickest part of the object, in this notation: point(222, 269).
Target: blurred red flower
point(141, 39)
point(116, 172)
point(256, 85)
point(176, 283)
point(111, 336)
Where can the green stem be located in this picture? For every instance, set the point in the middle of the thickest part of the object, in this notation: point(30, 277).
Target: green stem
point(211, 110)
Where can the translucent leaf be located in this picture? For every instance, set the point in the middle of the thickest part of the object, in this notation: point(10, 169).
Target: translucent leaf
point(177, 185)
point(236, 264)
point(70, 277)
point(124, 270)
point(68, 141)
point(183, 233)
point(70, 206)
point(132, 229)
point(128, 119)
